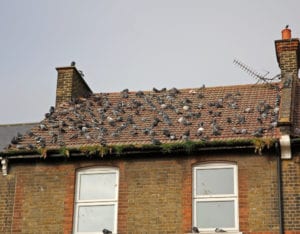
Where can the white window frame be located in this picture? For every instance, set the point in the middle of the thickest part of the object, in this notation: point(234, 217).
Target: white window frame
point(96, 202)
point(218, 197)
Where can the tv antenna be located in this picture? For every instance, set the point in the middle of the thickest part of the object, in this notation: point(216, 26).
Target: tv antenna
point(263, 78)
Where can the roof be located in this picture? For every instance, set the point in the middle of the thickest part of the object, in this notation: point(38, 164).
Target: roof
point(159, 116)
point(8, 131)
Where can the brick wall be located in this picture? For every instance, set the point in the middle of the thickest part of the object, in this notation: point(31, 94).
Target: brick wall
point(7, 195)
point(291, 192)
point(154, 194)
point(287, 52)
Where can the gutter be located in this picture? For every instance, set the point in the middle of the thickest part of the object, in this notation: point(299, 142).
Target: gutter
point(7, 157)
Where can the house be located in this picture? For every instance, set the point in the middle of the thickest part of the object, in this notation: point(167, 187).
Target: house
point(207, 159)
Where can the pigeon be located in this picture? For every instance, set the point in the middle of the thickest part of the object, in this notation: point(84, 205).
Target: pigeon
point(219, 103)
point(124, 93)
point(219, 230)
point(258, 132)
point(200, 106)
point(146, 131)
point(235, 130)
point(155, 122)
point(240, 119)
point(20, 147)
point(186, 135)
point(84, 129)
point(229, 120)
point(162, 90)
point(215, 128)
point(186, 107)
point(30, 133)
point(155, 90)
point(155, 141)
point(133, 133)
point(166, 119)
point(106, 231)
point(174, 91)
point(81, 73)
point(115, 134)
point(200, 96)
point(139, 94)
point(51, 110)
point(43, 127)
point(259, 120)
point(173, 137)
point(200, 131)
point(233, 105)
point(54, 138)
point(14, 140)
point(248, 110)
point(181, 120)
point(195, 230)
point(163, 106)
point(73, 136)
point(130, 119)
point(30, 146)
point(166, 132)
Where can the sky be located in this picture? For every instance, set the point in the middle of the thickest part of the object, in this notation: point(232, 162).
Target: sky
point(134, 44)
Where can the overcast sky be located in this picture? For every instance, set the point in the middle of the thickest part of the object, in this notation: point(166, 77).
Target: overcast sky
point(134, 44)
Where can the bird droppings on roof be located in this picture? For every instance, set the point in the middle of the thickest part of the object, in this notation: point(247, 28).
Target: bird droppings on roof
point(158, 116)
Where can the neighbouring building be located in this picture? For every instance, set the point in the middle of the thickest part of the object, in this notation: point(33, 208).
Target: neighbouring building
point(207, 159)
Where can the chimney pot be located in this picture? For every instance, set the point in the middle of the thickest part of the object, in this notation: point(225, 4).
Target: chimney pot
point(286, 33)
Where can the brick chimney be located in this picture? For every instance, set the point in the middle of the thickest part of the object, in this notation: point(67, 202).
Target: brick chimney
point(287, 52)
point(70, 84)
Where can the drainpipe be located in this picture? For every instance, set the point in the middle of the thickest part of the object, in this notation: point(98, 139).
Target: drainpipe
point(280, 192)
point(3, 165)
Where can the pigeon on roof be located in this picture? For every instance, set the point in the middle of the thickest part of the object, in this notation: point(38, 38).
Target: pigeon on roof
point(109, 118)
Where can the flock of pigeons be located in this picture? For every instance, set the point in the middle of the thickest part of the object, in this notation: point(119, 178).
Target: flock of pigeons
point(154, 117)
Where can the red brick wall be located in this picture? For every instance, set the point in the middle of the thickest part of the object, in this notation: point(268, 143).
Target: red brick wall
point(291, 192)
point(154, 194)
point(7, 194)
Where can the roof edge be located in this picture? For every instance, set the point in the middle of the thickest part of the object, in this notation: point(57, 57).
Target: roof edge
point(258, 144)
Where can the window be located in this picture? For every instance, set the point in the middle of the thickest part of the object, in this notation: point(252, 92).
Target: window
point(215, 199)
point(96, 200)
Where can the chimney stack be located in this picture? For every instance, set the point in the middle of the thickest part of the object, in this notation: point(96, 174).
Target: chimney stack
point(70, 84)
point(287, 52)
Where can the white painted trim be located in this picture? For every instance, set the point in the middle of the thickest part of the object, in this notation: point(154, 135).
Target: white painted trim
point(285, 147)
point(218, 197)
point(78, 203)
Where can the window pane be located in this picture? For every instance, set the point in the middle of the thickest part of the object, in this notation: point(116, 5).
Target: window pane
point(215, 214)
point(214, 181)
point(95, 218)
point(97, 186)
